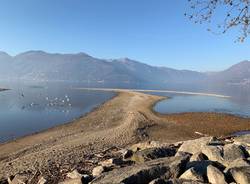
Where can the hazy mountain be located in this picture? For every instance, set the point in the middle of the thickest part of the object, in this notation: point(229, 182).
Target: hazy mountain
point(80, 67)
point(238, 74)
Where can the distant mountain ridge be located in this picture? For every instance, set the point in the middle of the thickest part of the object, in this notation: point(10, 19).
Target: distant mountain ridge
point(81, 67)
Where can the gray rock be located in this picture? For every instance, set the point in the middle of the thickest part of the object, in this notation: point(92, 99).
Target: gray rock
point(215, 176)
point(213, 153)
point(237, 163)
point(144, 173)
point(198, 157)
point(243, 140)
point(152, 153)
point(201, 166)
point(19, 179)
point(233, 152)
point(191, 174)
point(194, 146)
point(241, 174)
point(74, 174)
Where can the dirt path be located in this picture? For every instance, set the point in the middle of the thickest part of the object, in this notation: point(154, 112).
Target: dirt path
point(124, 120)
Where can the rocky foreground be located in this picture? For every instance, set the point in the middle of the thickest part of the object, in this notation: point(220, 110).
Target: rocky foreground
point(203, 160)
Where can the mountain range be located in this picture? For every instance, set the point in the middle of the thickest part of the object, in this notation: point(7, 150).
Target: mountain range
point(80, 67)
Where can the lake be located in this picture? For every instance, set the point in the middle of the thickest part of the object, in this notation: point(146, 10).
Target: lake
point(29, 109)
point(197, 103)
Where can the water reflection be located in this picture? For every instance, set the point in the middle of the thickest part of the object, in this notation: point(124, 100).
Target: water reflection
point(28, 109)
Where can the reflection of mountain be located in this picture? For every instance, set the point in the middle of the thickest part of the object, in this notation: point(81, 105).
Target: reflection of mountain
point(42, 66)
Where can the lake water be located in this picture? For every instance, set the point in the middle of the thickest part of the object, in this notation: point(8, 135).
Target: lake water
point(30, 109)
point(196, 103)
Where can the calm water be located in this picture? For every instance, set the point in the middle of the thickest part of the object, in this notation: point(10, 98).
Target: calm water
point(193, 103)
point(31, 109)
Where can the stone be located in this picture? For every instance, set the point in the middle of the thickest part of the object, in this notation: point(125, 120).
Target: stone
point(19, 179)
point(97, 171)
point(198, 157)
point(194, 146)
point(215, 176)
point(145, 172)
point(74, 175)
point(201, 166)
point(72, 181)
point(237, 163)
point(213, 153)
point(126, 153)
point(42, 180)
point(241, 174)
point(151, 154)
point(232, 152)
point(215, 142)
point(110, 162)
point(191, 174)
point(242, 140)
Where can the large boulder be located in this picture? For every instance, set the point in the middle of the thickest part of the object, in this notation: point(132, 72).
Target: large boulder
point(144, 173)
point(215, 176)
point(152, 153)
point(241, 174)
point(194, 146)
point(213, 153)
point(191, 174)
point(198, 157)
point(233, 152)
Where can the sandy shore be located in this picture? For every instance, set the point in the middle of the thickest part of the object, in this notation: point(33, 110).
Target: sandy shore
point(124, 120)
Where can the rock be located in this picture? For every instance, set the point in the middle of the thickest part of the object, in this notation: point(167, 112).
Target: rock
point(215, 176)
point(19, 179)
point(237, 163)
point(158, 181)
point(97, 171)
point(198, 157)
point(144, 173)
point(232, 152)
point(152, 153)
point(110, 162)
point(74, 174)
point(194, 146)
point(215, 142)
point(191, 174)
point(201, 166)
point(42, 180)
point(241, 174)
point(126, 153)
point(181, 181)
point(213, 153)
point(72, 181)
point(242, 140)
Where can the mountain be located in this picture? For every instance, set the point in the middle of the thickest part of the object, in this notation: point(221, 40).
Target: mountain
point(81, 67)
point(238, 74)
point(42, 66)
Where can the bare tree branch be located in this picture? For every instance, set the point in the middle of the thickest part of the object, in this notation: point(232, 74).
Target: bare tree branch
point(236, 15)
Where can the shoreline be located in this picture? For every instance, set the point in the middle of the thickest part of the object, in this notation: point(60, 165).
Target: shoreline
point(125, 119)
point(158, 91)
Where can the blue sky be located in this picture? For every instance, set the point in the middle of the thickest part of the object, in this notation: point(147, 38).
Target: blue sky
point(152, 31)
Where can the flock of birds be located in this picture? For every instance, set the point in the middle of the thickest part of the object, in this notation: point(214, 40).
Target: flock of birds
point(51, 102)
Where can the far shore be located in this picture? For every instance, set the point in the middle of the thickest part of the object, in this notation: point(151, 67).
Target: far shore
point(122, 121)
point(158, 91)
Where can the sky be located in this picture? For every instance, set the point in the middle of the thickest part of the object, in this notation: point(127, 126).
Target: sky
point(155, 32)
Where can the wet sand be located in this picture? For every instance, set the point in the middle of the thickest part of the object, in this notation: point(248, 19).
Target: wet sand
point(124, 120)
